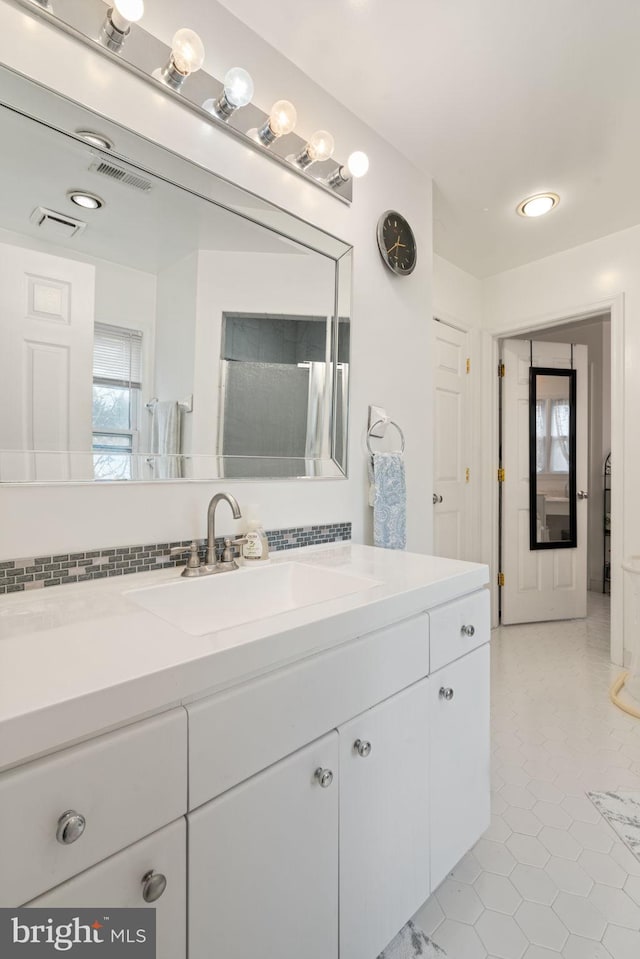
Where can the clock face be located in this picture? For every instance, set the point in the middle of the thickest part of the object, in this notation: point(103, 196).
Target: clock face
point(396, 243)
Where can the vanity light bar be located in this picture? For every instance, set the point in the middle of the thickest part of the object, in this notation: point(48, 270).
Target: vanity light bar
point(177, 70)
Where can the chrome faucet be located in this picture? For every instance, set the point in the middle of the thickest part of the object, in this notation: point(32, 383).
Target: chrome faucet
point(212, 559)
point(212, 564)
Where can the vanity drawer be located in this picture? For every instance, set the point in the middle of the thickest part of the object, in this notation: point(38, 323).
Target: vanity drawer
point(237, 733)
point(118, 883)
point(458, 627)
point(126, 784)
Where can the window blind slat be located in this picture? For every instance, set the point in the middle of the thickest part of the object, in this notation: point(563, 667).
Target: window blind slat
point(117, 356)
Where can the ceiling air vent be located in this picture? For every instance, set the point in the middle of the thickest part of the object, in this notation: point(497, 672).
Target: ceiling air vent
point(121, 174)
point(56, 226)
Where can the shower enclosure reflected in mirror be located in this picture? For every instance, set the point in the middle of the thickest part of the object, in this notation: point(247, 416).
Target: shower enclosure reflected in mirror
point(552, 458)
point(171, 326)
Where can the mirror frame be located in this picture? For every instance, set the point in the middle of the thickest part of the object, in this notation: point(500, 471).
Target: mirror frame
point(572, 542)
point(38, 103)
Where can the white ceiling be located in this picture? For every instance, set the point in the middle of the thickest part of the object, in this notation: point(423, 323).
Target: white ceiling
point(497, 100)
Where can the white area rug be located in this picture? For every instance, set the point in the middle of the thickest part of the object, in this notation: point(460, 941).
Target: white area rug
point(411, 942)
point(622, 812)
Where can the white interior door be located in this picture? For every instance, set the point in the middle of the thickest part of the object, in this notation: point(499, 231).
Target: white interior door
point(540, 584)
point(46, 324)
point(451, 419)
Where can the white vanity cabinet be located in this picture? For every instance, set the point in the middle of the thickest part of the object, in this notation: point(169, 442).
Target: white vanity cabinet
point(459, 730)
point(305, 806)
point(263, 863)
point(72, 809)
point(384, 821)
point(149, 874)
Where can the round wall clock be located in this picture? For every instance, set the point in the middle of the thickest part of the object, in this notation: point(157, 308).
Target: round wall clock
point(396, 243)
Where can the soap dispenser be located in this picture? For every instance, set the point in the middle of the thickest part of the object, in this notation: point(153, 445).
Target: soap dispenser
point(256, 548)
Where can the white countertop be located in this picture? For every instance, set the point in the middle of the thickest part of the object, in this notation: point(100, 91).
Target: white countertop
point(78, 659)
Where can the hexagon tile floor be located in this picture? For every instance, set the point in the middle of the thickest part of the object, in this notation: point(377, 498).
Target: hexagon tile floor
point(549, 878)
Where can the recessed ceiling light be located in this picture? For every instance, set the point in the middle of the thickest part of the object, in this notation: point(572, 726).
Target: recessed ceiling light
point(88, 201)
point(95, 139)
point(538, 205)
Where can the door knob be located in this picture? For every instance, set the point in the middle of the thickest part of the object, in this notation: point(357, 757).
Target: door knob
point(583, 494)
point(153, 885)
point(324, 777)
point(436, 499)
point(362, 747)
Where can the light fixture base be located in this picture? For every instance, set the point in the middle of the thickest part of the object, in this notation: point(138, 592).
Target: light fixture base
point(265, 134)
point(222, 107)
point(112, 38)
point(143, 54)
point(303, 159)
point(171, 76)
point(339, 177)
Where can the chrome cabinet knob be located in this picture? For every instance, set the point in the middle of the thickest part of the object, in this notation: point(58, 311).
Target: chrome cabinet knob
point(582, 494)
point(324, 777)
point(153, 885)
point(468, 630)
point(362, 747)
point(446, 693)
point(71, 825)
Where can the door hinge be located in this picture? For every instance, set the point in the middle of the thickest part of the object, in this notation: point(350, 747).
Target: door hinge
point(468, 365)
point(501, 475)
point(500, 370)
point(500, 579)
point(467, 475)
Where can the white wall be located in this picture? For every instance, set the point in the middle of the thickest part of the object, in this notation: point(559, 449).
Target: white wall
point(391, 316)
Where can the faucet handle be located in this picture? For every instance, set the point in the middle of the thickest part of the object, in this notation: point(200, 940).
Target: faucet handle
point(230, 547)
point(194, 559)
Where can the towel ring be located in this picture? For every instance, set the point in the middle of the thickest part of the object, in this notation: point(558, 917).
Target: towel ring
point(391, 423)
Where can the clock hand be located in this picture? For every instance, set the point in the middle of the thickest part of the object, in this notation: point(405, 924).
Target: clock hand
point(393, 247)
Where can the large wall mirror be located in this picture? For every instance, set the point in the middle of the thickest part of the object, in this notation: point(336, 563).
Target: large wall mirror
point(552, 458)
point(166, 325)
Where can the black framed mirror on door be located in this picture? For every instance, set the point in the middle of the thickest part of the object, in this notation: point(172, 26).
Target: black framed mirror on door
point(552, 458)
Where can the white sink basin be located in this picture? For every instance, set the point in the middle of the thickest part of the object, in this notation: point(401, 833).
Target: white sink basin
point(209, 603)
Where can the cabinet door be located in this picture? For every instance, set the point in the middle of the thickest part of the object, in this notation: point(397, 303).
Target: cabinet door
point(460, 759)
point(263, 864)
point(117, 882)
point(384, 821)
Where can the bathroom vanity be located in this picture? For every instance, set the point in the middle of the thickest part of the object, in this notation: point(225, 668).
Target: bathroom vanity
point(309, 776)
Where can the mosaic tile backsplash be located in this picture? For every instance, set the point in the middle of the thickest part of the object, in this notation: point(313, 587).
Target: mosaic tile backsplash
point(17, 575)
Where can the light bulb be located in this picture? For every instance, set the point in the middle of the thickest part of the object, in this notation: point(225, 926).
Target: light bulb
point(538, 205)
point(358, 164)
point(320, 146)
point(238, 87)
point(238, 91)
point(282, 118)
point(187, 52)
point(126, 12)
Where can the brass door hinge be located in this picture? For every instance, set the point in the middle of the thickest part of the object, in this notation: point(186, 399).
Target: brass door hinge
point(501, 475)
point(500, 579)
point(501, 369)
point(468, 365)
